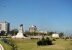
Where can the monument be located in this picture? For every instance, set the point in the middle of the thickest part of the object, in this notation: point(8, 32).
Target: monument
point(20, 33)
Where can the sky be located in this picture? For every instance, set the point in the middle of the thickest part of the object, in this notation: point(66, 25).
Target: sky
point(47, 15)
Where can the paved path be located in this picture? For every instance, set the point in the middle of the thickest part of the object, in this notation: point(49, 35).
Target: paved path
point(1, 47)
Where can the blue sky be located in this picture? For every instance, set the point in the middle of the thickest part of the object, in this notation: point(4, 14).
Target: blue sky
point(51, 15)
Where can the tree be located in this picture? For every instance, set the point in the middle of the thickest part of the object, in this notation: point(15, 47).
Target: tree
point(14, 31)
point(61, 34)
point(49, 33)
point(34, 33)
point(27, 32)
point(2, 33)
point(31, 33)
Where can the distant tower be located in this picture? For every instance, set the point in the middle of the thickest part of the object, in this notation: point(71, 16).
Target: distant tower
point(33, 28)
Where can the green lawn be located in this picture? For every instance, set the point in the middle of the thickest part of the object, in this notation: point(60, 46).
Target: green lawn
point(6, 46)
point(27, 44)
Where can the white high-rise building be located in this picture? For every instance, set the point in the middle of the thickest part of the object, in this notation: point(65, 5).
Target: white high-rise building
point(4, 26)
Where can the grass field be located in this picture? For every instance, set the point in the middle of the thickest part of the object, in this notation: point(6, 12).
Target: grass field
point(28, 44)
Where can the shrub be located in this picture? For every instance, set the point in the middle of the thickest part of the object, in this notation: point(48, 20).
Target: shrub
point(39, 43)
point(48, 41)
point(44, 41)
point(53, 39)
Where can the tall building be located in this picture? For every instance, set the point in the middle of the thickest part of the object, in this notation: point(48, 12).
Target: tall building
point(4, 26)
point(33, 28)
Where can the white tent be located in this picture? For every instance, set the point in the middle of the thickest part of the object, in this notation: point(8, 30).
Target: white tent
point(55, 35)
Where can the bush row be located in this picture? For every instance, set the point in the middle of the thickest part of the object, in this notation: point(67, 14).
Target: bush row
point(9, 42)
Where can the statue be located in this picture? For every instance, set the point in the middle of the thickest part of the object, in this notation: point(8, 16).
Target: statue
point(20, 33)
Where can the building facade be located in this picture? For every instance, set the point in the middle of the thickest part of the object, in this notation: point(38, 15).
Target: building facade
point(4, 26)
point(33, 28)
